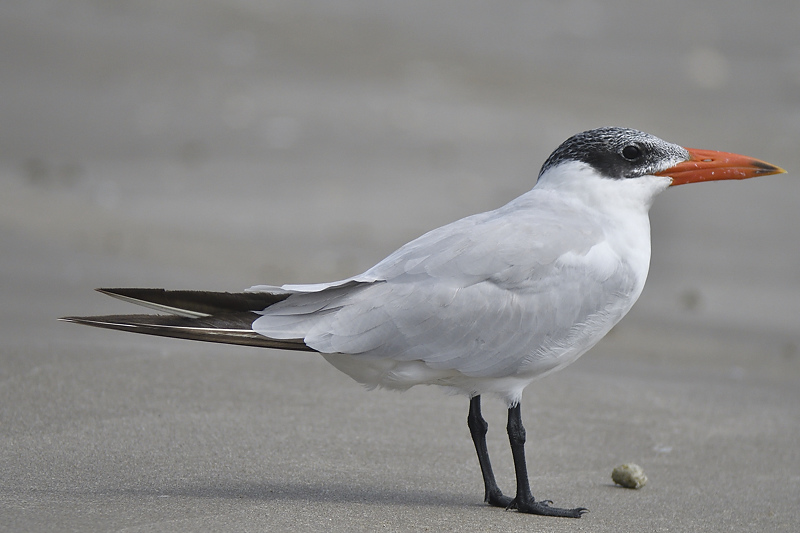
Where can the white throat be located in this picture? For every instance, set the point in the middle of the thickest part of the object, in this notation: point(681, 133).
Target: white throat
point(582, 183)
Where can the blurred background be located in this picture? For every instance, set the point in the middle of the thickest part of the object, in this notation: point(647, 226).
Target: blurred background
point(218, 144)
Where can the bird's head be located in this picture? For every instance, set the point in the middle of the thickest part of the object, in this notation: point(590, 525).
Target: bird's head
point(622, 153)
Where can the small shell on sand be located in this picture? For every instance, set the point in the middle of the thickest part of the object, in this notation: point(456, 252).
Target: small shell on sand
point(630, 476)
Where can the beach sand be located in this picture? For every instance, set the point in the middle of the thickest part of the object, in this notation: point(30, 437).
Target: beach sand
point(217, 145)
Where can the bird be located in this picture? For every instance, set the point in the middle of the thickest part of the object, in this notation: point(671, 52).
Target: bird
point(482, 306)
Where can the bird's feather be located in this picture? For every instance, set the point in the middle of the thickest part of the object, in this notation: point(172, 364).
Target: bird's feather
point(226, 328)
point(195, 304)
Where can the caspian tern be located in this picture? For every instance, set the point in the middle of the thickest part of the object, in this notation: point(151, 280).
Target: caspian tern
point(484, 305)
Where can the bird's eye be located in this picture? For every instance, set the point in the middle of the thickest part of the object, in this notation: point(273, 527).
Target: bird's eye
point(631, 152)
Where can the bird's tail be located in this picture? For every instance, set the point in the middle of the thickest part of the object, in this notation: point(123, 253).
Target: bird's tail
point(196, 315)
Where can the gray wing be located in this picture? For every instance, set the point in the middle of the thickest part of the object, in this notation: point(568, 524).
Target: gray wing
point(482, 296)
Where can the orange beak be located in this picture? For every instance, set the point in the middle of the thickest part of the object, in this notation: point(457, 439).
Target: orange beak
point(708, 165)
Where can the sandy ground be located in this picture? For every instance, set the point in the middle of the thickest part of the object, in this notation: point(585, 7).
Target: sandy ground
point(218, 144)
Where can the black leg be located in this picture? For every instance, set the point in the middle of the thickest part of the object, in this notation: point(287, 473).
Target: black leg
point(477, 428)
point(524, 501)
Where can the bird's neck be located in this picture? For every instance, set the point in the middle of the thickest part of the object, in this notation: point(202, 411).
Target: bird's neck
point(619, 206)
point(580, 183)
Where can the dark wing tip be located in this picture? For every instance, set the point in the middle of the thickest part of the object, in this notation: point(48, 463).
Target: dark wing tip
point(230, 328)
point(196, 303)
